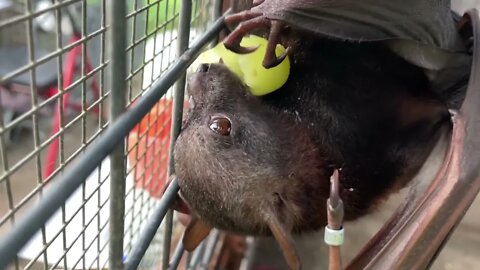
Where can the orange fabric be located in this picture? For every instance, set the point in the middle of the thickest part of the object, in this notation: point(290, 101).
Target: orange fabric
point(148, 148)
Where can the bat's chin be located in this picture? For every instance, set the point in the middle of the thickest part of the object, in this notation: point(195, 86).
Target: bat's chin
point(224, 217)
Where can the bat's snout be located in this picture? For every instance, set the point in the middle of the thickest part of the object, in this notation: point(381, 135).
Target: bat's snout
point(203, 68)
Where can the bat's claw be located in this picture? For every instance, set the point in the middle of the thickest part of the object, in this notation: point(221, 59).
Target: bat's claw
point(237, 48)
point(251, 20)
point(271, 60)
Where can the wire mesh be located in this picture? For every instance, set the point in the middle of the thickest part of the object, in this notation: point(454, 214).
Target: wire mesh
point(54, 100)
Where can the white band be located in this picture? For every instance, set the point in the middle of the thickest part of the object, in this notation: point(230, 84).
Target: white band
point(334, 237)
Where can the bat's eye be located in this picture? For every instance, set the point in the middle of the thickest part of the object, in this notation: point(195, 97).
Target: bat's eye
point(220, 125)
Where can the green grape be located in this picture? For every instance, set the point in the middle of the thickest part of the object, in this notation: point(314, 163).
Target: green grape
point(248, 67)
point(261, 80)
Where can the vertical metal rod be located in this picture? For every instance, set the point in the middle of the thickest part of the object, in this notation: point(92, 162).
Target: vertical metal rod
point(118, 71)
point(101, 119)
point(60, 79)
point(211, 246)
point(84, 113)
point(217, 13)
point(196, 256)
point(177, 256)
point(246, 261)
point(189, 258)
point(178, 101)
point(130, 94)
point(35, 124)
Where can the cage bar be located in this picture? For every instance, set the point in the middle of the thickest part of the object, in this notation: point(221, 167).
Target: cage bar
point(74, 174)
point(118, 68)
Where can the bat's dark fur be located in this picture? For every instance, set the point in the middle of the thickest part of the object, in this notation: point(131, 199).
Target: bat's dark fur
point(354, 106)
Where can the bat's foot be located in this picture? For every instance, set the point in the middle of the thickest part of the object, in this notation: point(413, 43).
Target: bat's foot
point(250, 20)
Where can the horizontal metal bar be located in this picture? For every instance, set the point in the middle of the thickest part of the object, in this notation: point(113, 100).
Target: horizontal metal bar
point(55, 98)
point(33, 63)
point(95, 239)
point(45, 144)
point(159, 28)
point(74, 175)
point(24, 18)
point(142, 9)
point(77, 237)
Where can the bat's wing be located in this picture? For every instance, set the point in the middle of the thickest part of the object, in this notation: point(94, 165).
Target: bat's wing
point(428, 22)
point(416, 233)
point(423, 32)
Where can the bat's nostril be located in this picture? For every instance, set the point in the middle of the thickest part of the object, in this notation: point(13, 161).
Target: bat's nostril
point(203, 68)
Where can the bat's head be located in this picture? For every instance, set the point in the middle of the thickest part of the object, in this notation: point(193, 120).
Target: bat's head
point(238, 163)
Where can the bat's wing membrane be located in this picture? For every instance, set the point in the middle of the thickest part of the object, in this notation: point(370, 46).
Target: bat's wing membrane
point(423, 32)
point(416, 233)
point(427, 21)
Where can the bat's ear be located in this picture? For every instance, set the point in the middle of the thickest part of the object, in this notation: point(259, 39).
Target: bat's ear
point(196, 231)
point(282, 234)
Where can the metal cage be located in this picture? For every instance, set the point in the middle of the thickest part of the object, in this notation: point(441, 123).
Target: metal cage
point(92, 97)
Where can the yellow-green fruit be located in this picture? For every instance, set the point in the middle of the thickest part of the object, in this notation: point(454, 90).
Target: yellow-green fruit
point(260, 79)
point(229, 58)
point(249, 67)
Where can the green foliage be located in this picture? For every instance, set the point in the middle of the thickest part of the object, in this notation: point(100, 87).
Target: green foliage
point(93, 2)
point(160, 12)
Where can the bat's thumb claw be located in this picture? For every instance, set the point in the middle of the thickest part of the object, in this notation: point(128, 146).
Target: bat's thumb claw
point(271, 62)
point(241, 50)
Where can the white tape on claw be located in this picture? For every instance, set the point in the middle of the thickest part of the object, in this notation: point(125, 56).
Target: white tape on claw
point(334, 237)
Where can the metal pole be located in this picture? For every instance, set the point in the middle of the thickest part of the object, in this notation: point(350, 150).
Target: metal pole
point(217, 13)
point(117, 46)
point(212, 244)
point(178, 101)
point(177, 256)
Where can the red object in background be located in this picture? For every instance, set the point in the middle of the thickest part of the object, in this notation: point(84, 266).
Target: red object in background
point(148, 148)
point(70, 67)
